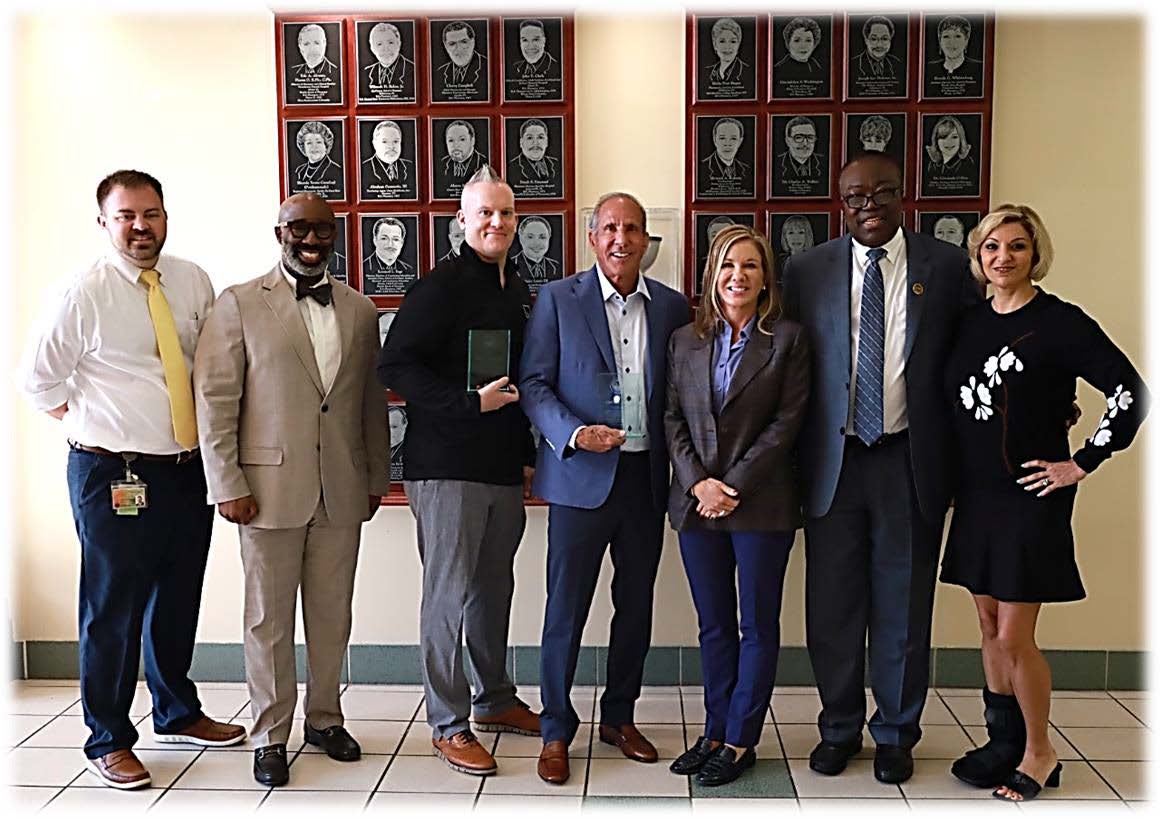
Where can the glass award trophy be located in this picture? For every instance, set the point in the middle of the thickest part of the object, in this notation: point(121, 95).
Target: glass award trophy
point(488, 352)
point(623, 399)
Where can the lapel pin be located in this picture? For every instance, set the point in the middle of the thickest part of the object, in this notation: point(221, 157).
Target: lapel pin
point(917, 289)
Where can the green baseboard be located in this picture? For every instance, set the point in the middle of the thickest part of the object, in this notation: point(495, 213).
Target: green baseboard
point(665, 665)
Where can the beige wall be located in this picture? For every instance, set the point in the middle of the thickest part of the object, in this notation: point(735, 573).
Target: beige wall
point(191, 98)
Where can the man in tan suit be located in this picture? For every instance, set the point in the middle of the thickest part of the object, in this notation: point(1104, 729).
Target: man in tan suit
point(294, 438)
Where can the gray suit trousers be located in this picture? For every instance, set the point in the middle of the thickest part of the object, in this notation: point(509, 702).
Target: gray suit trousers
point(320, 558)
point(468, 534)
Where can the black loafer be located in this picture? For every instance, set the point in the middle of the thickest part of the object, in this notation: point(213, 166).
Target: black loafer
point(724, 766)
point(693, 759)
point(829, 758)
point(337, 743)
point(270, 767)
point(892, 765)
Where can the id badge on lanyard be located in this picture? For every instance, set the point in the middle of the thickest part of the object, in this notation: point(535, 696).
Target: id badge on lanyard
point(130, 494)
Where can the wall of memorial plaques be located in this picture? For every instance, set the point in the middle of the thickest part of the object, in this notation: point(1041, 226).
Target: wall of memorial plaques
point(779, 102)
point(386, 116)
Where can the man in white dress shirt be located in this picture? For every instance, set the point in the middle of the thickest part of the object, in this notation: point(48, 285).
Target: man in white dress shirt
point(112, 362)
point(294, 430)
point(876, 461)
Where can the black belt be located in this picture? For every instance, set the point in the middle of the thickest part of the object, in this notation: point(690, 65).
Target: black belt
point(177, 459)
point(885, 440)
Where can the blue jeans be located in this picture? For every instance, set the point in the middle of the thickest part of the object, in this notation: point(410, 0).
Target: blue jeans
point(140, 585)
point(738, 664)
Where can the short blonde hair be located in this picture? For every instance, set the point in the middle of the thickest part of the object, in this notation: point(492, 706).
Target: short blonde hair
point(1042, 253)
point(709, 311)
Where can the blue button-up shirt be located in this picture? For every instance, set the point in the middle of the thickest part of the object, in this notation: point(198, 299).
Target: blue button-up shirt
point(726, 357)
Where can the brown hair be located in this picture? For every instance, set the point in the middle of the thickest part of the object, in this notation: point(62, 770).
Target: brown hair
point(709, 311)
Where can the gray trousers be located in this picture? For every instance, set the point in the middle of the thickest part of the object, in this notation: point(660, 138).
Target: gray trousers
point(320, 558)
point(468, 534)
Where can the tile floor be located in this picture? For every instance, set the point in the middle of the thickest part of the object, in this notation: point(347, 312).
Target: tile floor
point(1104, 738)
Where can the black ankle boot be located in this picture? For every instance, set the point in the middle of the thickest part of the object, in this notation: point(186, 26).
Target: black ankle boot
point(994, 762)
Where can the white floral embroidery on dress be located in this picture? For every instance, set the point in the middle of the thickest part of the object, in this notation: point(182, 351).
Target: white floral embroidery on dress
point(1120, 401)
point(977, 396)
point(1117, 402)
point(1001, 362)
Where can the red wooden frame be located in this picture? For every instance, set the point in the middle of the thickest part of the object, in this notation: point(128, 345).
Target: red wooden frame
point(422, 110)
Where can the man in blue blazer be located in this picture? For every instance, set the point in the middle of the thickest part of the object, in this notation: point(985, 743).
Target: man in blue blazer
point(882, 306)
point(593, 381)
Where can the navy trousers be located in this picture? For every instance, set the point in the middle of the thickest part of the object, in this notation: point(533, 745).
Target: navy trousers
point(726, 568)
point(140, 586)
point(870, 569)
point(577, 538)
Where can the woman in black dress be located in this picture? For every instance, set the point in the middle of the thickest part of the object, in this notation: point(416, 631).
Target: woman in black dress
point(1012, 376)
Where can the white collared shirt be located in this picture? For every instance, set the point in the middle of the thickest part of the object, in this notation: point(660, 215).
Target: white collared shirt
point(322, 327)
point(893, 268)
point(95, 349)
point(628, 332)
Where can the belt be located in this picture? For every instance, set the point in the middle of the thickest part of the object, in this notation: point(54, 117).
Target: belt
point(880, 442)
point(176, 459)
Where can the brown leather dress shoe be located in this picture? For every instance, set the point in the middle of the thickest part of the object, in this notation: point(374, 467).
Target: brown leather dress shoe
point(630, 742)
point(464, 753)
point(121, 770)
point(553, 763)
point(205, 732)
point(518, 718)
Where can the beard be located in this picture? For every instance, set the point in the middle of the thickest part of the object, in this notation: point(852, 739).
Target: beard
point(301, 268)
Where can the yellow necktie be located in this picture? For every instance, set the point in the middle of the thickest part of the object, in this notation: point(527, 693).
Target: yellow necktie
point(173, 363)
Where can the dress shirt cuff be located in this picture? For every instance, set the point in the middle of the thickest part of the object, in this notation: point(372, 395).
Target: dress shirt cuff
point(572, 439)
point(49, 398)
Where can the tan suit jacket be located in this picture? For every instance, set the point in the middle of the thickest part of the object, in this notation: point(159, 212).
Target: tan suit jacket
point(266, 426)
point(749, 445)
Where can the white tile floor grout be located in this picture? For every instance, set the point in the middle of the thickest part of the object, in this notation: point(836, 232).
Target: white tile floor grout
point(1104, 739)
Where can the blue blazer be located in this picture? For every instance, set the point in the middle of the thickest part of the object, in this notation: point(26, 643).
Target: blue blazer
point(567, 349)
point(816, 294)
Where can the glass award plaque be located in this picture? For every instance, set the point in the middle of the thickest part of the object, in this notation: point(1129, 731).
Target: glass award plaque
point(488, 351)
point(623, 402)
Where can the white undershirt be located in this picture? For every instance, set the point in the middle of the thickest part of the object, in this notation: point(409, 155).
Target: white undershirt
point(322, 327)
point(628, 332)
point(893, 268)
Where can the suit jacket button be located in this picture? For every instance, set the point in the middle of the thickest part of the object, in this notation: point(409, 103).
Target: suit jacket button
point(325, 407)
point(842, 431)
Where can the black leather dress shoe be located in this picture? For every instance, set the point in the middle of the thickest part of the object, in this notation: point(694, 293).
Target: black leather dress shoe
point(725, 766)
point(270, 767)
point(337, 743)
point(892, 765)
point(829, 758)
point(693, 759)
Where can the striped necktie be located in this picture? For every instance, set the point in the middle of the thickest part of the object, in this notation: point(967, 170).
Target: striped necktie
point(173, 363)
point(871, 352)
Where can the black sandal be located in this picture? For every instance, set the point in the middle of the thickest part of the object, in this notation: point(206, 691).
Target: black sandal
point(1026, 786)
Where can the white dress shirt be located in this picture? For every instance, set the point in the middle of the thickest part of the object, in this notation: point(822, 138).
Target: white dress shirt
point(96, 350)
point(322, 327)
point(628, 332)
point(893, 268)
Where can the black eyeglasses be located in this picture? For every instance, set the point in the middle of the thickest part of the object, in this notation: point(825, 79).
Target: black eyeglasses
point(857, 201)
point(301, 228)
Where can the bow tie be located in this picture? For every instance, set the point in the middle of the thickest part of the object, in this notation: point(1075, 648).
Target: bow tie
point(304, 287)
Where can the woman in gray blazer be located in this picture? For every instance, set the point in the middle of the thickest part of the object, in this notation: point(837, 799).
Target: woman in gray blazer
point(737, 390)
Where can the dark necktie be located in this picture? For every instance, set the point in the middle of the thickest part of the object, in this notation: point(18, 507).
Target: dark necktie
point(306, 287)
point(871, 352)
